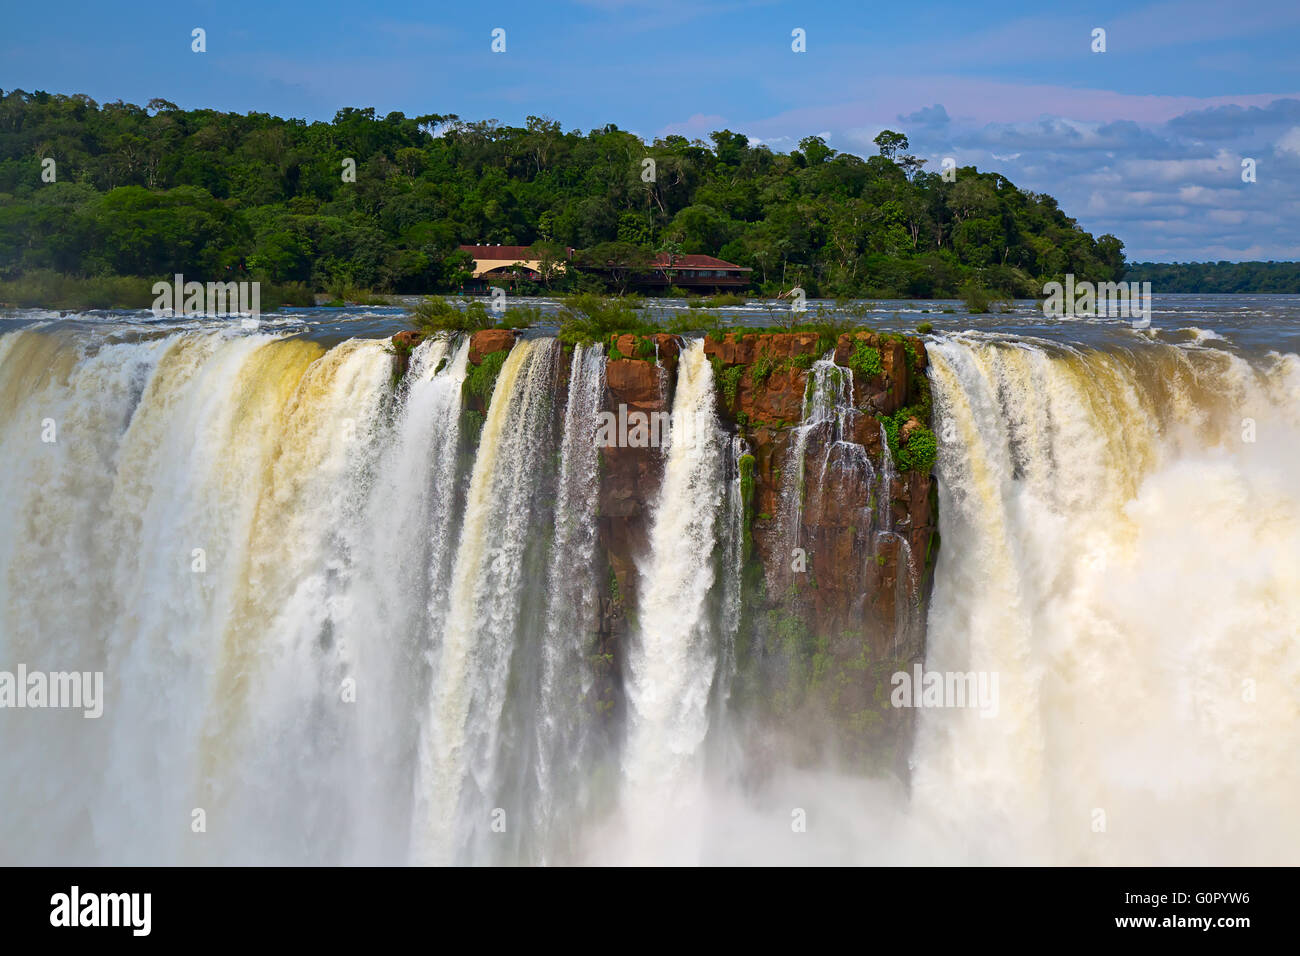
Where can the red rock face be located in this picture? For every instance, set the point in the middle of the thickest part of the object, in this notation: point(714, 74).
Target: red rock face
point(659, 347)
point(860, 598)
point(630, 477)
point(637, 384)
point(778, 399)
point(747, 348)
point(488, 341)
point(670, 347)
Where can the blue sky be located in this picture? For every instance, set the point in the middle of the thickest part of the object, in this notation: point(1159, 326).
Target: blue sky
point(1144, 140)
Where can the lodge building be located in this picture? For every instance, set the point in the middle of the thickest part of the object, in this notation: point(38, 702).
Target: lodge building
point(505, 265)
point(694, 272)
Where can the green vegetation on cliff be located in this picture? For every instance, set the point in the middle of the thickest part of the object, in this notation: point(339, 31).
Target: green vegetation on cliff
point(865, 360)
point(921, 449)
point(729, 382)
point(482, 378)
point(746, 468)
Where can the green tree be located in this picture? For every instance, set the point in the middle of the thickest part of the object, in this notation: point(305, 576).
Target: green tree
point(891, 143)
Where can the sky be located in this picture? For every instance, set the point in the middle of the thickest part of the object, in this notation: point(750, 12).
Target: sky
point(1144, 140)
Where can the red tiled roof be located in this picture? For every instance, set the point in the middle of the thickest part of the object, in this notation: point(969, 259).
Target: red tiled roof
point(696, 262)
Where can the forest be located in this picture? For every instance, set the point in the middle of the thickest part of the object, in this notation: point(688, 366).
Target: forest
point(381, 203)
point(1213, 278)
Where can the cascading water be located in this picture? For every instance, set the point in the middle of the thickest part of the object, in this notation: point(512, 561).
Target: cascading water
point(672, 660)
point(564, 748)
point(905, 586)
point(464, 767)
point(888, 472)
point(335, 629)
point(1129, 566)
point(828, 428)
point(409, 533)
point(827, 412)
point(731, 571)
point(178, 475)
point(289, 638)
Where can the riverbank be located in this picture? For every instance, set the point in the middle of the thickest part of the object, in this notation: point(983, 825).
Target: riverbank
point(53, 290)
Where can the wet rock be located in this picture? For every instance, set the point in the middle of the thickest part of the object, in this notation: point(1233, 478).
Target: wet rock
point(487, 341)
point(737, 348)
point(637, 384)
point(404, 344)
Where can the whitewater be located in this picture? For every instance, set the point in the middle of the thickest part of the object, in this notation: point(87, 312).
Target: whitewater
point(334, 629)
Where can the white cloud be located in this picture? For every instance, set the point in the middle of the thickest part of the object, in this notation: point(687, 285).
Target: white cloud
point(1290, 141)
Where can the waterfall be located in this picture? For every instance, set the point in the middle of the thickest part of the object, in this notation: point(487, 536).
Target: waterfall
point(462, 779)
point(564, 748)
point(419, 466)
point(288, 644)
point(333, 628)
point(409, 533)
point(732, 568)
point(1128, 562)
point(174, 496)
point(672, 661)
point(887, 475)
point(828, 417)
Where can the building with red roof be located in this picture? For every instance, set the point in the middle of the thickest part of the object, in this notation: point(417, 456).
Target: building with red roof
point(693, 272)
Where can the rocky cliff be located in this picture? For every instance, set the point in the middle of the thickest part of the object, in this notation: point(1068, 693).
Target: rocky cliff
point(840, 520)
